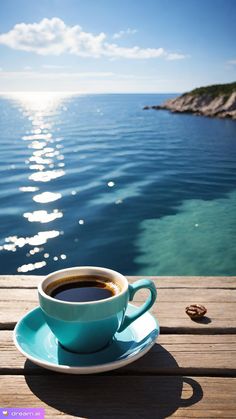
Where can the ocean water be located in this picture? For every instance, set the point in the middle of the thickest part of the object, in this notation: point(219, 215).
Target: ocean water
point(96, 180)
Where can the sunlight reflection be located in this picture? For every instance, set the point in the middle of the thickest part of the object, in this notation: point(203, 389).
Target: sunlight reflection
point(37, 145)
point(44, 151)
point(43, 216)
point(14, 242)
point(40, 101)
point(28, 188)
point(37, 131)
point(47, 197)
point(36, 250)
point(31, 266)
point(39, 160)
point(46, 162)
point(52, 153)
point(37, 167)
point(37, 137)
point(46, 176)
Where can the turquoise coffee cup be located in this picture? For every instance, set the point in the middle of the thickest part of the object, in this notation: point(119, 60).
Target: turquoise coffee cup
point(85, 327)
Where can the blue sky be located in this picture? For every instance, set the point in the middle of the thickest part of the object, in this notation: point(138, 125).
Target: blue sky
point(116, 46)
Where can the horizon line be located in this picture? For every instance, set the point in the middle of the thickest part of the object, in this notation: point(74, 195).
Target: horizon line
point(85, 93)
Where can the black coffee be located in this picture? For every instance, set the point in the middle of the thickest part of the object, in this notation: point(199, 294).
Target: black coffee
point(83, 290)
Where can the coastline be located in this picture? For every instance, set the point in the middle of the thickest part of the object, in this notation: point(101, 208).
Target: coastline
point(213, 101)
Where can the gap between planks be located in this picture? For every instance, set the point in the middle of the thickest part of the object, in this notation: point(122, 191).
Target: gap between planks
point(171, 355)
point(165, 330)
point(164, 373)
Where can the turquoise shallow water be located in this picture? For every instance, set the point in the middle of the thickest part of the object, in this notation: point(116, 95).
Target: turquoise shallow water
point(95, 180)
point(199, 238)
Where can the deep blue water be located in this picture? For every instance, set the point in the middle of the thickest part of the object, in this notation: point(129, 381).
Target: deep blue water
point(96, 180)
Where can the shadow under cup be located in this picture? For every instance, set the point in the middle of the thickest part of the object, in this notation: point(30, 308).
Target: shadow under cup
point(89, 326)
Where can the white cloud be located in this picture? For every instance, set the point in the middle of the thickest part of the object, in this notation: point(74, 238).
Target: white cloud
point(232, 62)
point(54, 37)
point(175, 56)
point(125, 32)
point(114, 51)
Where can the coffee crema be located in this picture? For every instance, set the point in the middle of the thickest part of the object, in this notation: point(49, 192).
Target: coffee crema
point(79, 289)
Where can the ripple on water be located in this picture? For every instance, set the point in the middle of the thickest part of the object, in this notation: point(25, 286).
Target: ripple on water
point(118, 173)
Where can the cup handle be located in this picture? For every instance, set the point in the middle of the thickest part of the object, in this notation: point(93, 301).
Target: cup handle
point(133, 288)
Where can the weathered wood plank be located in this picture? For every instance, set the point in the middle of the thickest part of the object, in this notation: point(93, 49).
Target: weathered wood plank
point(31, 281)
point(164, 295)
point(169, 308)
point(20, 281)
point(175, 321)
point(122, 397)
point(213, 355)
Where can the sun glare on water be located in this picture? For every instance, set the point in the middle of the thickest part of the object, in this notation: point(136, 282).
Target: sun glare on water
point(44, 165)
point(40, 101)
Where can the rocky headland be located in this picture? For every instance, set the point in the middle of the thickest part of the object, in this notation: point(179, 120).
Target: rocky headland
point(216, 101)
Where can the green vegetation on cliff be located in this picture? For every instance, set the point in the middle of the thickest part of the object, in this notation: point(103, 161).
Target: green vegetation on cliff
point(218, 100)
point(214, 90)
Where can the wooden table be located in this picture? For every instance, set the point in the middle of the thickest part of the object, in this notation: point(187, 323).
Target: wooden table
point(190, 371)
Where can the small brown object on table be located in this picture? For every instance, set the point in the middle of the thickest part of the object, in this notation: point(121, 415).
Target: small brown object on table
point(196, 311)
point(189, 372)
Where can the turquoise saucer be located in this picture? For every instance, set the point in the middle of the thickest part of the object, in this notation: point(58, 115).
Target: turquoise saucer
point(34, 339)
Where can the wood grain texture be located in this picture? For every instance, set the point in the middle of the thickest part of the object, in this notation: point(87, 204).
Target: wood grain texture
point(213, 355)
point(169, 308)
point(164, 295)
point(154, 386)
point(211, 282)
point(122, 397)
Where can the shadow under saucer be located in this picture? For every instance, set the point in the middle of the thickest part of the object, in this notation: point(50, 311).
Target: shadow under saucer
point(125, 393)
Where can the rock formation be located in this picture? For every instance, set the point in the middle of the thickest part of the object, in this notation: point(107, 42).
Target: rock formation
point(215, 101)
